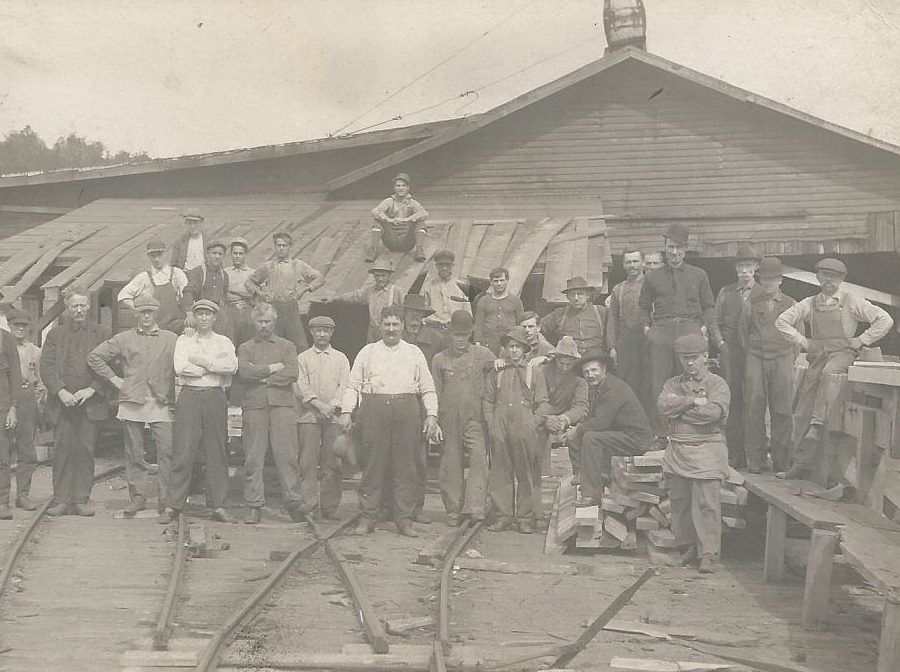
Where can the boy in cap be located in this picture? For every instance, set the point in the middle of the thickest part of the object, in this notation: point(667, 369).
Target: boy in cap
point(31, 397)
point(695, 404)
point(399, 222)
point(769, 372)
point(497, 311)
point(459, 379)
point(513, 413)
point(282, 282)
point(833, 316)
point(378, 292)
point(581, 318)
point(189, 251)
point(443, 293)
point(210, 282)
point(163, 282)
point(239, 300)
point(146, 355)
point(732, 357)
point(322, 376)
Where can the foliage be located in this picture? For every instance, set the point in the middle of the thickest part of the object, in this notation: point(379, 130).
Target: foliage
point(25, 150)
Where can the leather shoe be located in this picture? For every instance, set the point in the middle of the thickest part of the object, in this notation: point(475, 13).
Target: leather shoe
point(222, 516)
point(254, 517)
point(706, 566)
point(407, 531)
point(422, 518)
point(139, 503)
point(576, 480)
point(793, 473)
point(526, 527)
point(454, 519)
point(370, 526)
point(499, 526)
point(330, 515)
point(5, 513)
point(689, 556)
point(166, 516)
point(25, 502)
point(85, 510)
point(60, 509)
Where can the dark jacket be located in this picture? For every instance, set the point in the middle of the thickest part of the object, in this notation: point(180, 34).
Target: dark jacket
point(147, 362)
point(261, 388)
point(64, 367)
point(615, 407)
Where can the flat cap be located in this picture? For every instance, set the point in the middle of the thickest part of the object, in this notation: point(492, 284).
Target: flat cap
point(282, 235)
point(417, 302)
point(240, 241)
point(145, 302)
point(678, 232)
point(192, 213)
point(746, 252)
point(381, 266)
point(321, 321)
point(216, 243)
point(444, 256)
point(690, 344)
point(770, 267)
point(16, 316)
point(401, 176)
point(517, 334)
point(829, 264)
point(461, 322)
point(205, 304)
point(156, 245)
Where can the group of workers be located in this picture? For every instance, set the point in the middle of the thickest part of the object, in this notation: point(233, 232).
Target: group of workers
point(494, 385)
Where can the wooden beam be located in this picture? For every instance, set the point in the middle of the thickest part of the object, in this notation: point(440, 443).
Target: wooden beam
point(817, 589)
point(875, 295)
point(34, 210)
point(776, 536)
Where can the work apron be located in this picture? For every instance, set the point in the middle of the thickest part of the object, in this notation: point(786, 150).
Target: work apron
point(171, 312)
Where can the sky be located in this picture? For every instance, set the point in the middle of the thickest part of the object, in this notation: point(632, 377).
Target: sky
point(192, 76)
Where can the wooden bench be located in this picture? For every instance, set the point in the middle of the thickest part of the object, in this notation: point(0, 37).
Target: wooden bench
point(868, 541)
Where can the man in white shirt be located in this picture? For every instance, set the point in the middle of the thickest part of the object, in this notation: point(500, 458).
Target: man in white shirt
point(444, 294)
point(391, 383)
point(189, 250)
point(162, 282)
point(204, 364)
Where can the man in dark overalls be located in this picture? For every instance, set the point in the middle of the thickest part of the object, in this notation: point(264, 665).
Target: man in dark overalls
point(164, 283)
point(833, 316)
point(210, 282)
point(399, 222)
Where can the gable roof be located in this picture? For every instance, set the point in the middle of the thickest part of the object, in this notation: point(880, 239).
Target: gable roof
point(611, 60)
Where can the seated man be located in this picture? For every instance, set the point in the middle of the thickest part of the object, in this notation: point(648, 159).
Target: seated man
point(833, 316)
point(615, 425)
point(399, 222)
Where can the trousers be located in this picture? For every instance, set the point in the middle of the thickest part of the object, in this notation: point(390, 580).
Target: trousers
point(767, 385)
point(73, 457)
point(511, 479)
point(201, 425)
point(662, 364)
point(289, 324)
point(137, 469)
point(22, 441)
point(273, 426)
point(733, 365)
point(631, 355)
point(463, 436)
point(696, 513)
point(391, 427)
point(320, 469)
point(597, 449)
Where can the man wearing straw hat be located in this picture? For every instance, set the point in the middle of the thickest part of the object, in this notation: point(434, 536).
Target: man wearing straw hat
point(581, 319)
point(377, 292)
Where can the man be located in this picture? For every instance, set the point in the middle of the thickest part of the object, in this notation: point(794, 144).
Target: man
point(32, 395)
point(10, 391)
point(497, 311)
point(399, 222)
point(322, 377)
point(675, 300)
point(204, 364)
point(416, 331)
point(146, 355)
point(581, 319)
point(378, 292)
point(443, 294)
point(695, 404)
point(513, 413)
point(282, 282)
point(732, 357)
point(769, 372)
point(540, 346)
point(652, 261)
point(459, 379)
point(267, 365)
point(210, 282)
point(163, 282)
point(567, 406)
point(624, 331)
point(391, 384)
point(833, 316)
point(75, 403)
point(615, 425)
point(188, 250)
point(239, 300)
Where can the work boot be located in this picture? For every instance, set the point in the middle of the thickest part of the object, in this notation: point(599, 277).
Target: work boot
point(60, 509)
point(139, 503)
point(221, 515)
point(583, 501)
point(706, 566)
point(166, 516)
point(85, 510)
point(689, 556)
point(297, 516)
point(406, 530)
point(576, 480)
point(526, 526)
point(255, 516)
point(330, 515)
point(5, 513)
point(25, 502)
point(370, 526)
point(454, 519)
point(499, 525)
point(421, 517)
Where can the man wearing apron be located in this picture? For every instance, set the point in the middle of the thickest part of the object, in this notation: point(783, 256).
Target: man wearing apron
point(164, 283)
point(833, 317)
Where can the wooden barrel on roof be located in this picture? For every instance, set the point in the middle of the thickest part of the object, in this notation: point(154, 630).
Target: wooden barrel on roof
point(625, 23)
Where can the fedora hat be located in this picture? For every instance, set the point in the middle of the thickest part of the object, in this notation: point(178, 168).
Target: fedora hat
point(578, 282)
point(596, 355)
point(566, 346)
point(518, 335)
point(678, 233)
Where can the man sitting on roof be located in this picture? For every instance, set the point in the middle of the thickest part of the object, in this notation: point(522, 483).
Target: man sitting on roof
point(399, 222)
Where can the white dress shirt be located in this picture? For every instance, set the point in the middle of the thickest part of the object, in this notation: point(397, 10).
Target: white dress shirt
point(217, 353)
point(399, 369)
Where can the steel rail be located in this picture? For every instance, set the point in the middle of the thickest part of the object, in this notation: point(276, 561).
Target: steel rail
point(16, 551)
point(164, 625)
point(443, 630)
point(210, 658)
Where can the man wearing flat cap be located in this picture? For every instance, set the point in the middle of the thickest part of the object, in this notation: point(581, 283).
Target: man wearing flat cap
point(615, 425)
point(323, 373)
point(189, 250)
point(832, 316)
point(732, 357)
point(163, 282)
point(204, 364)
point(210, 282)
point(146, 355)
point(769, 372)
point(378, 292)
point(695, 404)
point(582, 319)
point(238, 299)
point(282, 282)
point(399, 222)
point(444, 293)
point(459, 379)
point(675, 300)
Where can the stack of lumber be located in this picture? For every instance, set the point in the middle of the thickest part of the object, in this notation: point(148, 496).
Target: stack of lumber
point(235, 421)
point(734, 501)
point(635, 493)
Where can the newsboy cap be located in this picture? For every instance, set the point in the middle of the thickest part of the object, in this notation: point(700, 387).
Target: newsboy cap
point(240, 241)
point(192, 213)
point(282, 235)
point(145, 302)
point(402, 176)
point(155, 245)
point(216, 243)
point(16, 316)
point(385, 266)
point(829, 264)
point(321, 321)
point(770, 267)
point(678, 233)
point(690, 344)
point(518, 335)
point(205, 304)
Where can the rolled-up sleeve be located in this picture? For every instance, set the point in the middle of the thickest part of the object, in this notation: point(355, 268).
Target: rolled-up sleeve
point(787, 322)
point(880, 322)
point(425, 382)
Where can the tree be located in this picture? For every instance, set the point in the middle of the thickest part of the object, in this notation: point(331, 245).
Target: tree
point(23, 151)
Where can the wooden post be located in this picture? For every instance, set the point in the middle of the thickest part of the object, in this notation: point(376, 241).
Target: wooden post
point(776, 536)
point(819, 563)
point(823, 456)
point(889, 649)
point(866, 453)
